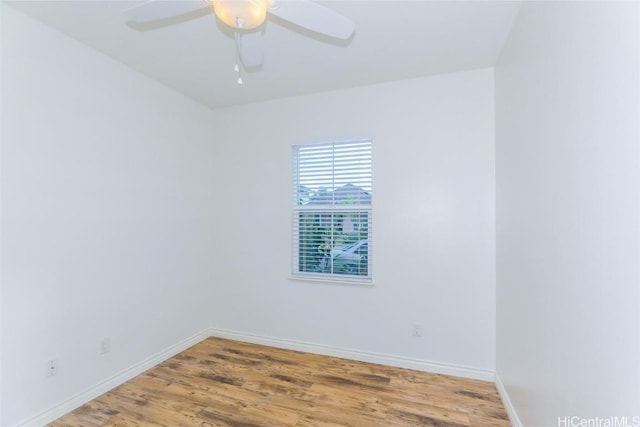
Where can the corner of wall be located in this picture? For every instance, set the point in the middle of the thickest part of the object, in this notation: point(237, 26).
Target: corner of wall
point(506, 401)
point(1, 11)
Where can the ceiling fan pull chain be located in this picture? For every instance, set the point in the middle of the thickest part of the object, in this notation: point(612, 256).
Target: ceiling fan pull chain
point(240, 24)
point(237, 67)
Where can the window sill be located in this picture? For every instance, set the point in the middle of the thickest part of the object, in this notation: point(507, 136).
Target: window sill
point(331, 281)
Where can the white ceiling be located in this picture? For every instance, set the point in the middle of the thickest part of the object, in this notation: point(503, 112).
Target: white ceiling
point(394, 40)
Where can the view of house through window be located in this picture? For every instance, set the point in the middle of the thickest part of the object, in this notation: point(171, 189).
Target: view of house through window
point(332, 210)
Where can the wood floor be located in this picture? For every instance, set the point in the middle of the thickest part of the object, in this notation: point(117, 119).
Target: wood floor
point(228, 383)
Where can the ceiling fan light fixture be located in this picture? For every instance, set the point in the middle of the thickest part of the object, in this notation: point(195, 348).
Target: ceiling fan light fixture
point(242, 14)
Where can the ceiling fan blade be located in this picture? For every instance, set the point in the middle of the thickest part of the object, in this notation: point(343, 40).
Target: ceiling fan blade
point(250, 48)
point(314, 17)
point(155, 10)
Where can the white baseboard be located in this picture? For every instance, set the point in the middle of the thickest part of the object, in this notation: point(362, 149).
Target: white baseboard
point(506, 401)
point(91, 393)
point(363, 356)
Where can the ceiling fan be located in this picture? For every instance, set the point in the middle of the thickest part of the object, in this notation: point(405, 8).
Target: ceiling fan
point(247, 18)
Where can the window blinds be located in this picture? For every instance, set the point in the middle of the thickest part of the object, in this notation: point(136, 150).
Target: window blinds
point(332, 217)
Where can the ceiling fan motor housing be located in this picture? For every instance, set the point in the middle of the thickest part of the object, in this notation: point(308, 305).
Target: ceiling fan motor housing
point(241, 14)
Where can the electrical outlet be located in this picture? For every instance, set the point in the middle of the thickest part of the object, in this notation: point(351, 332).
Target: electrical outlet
point(105, 346)
point(416, 331)
point(52, 368)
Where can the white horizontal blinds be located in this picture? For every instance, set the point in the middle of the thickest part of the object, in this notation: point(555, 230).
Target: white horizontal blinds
point(332, 190)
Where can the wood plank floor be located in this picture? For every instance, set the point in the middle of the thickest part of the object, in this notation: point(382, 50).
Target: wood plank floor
point(233, 384)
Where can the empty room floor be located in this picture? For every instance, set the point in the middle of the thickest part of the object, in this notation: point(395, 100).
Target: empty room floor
point(220, 382)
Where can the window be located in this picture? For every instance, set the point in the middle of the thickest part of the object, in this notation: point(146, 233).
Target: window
point(331, 218)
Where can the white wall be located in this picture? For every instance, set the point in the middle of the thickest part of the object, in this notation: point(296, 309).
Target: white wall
point(433, 250)
point(106, 207)
point(1, 134)
point(567, 170)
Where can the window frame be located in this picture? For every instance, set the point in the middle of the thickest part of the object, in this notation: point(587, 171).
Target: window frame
point(333, 209)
